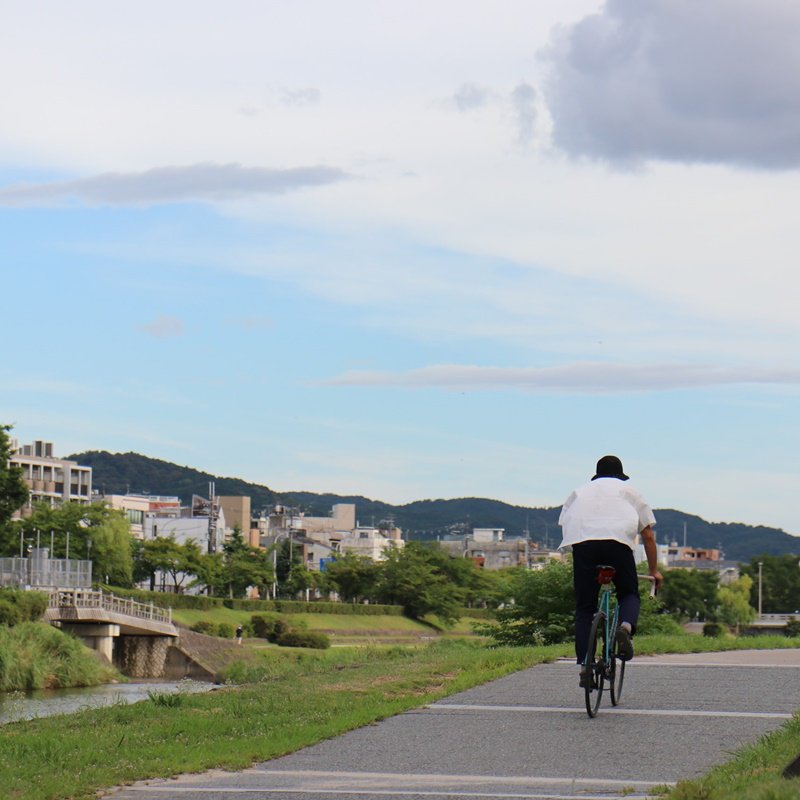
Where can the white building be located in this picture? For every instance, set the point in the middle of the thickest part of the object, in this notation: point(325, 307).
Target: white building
point(50, 480)
point(371, 543)
point(184, 528)
point(340, 532)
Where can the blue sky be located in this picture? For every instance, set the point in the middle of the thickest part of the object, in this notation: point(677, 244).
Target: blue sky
point(410, 250)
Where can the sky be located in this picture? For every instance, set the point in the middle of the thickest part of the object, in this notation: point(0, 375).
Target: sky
point(410, 250)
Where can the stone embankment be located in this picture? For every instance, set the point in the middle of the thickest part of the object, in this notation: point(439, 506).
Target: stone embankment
point(201, 657)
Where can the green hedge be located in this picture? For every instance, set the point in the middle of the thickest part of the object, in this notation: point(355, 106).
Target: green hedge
point(317, 641)
point(316, 607)
point(478, 613)
point(167, 599)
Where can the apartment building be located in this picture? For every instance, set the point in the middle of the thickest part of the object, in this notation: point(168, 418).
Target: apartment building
point(50, 480)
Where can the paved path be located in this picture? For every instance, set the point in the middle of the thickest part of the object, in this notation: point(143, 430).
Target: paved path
point(527, 736)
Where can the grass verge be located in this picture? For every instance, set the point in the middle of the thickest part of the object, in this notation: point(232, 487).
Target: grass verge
point(753, 774)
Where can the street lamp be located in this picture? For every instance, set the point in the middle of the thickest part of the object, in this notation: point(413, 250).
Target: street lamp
point(760, 565)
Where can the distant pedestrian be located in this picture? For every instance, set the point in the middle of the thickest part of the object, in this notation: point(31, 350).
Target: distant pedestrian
point(239, 632)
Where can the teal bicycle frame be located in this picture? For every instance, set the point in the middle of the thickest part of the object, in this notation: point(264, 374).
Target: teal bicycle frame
point(601, 655)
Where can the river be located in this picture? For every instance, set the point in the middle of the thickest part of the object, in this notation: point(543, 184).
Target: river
point(16, 706)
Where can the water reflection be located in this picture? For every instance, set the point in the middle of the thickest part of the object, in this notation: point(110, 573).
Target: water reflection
point(16, 706)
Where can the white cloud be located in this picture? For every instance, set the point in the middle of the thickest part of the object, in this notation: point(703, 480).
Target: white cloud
point(586, 378)
point(713, 81)
point(524, 102)
point(212, 182)
point(470, 96)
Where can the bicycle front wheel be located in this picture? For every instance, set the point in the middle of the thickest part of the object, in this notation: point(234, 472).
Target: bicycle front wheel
point(595, 656)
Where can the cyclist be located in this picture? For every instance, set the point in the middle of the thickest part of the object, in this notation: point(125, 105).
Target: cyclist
point(600, 521)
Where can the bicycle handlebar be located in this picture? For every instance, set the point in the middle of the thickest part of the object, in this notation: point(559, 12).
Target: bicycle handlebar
point(652, 583)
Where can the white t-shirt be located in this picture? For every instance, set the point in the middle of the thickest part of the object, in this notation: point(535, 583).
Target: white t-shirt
point(605, 508)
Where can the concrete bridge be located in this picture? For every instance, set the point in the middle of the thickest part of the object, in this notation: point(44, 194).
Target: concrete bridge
point(772, 623)
point(135, 637)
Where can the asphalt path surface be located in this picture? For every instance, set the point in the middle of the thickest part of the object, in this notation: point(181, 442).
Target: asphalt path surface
point(528, 736)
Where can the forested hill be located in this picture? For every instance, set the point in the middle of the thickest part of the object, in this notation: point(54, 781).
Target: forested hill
point(118, 473)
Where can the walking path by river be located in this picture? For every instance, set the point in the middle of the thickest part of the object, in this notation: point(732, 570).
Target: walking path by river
point(527, 736)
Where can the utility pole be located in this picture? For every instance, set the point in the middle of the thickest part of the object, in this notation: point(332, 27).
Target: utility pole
point(212, 519)
point(760, 565)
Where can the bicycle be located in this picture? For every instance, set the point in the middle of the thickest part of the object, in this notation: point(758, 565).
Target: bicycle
point(602, 654)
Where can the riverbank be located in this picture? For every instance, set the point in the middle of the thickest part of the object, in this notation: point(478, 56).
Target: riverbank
point(296, 698)
point(35, 655)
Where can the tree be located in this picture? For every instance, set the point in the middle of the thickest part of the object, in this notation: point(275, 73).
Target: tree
point(412, 577)
point(245, 566)
point(13, 489)
point(163, 554)
point(734, 603)
point(210, 573)
point(690, 593)
point(352, 577)
point(543, 611)
point(780, 583)
point(300, 580)
point(92, 532)
point(287, 556)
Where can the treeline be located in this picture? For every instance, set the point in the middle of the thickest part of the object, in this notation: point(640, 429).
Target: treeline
point(423, 519)
point(420, 578)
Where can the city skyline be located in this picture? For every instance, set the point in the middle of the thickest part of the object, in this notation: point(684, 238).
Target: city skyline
point(410, 251)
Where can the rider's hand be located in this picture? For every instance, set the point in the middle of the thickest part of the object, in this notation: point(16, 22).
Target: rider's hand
point(657, 577)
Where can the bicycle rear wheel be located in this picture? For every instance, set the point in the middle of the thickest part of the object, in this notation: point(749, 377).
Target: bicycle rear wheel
point(595, 655)
point(617, 678)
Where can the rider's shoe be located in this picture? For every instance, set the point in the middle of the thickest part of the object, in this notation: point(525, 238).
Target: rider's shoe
point(624, 644)
point(587, 678)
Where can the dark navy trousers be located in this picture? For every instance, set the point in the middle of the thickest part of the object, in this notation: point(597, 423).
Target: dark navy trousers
point(585, 558)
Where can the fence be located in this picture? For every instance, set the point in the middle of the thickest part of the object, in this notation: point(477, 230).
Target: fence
point(43, 572)
point(91, 598)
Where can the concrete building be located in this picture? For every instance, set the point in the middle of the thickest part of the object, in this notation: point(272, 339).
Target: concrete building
point(134, 506)
point(488, 534)
point(674, 553)
point(491, 550)
point(50, 480)
point(236, 510)
point(340, 532)
point(372, 543)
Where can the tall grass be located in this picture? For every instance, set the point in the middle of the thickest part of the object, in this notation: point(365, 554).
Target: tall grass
point(34, 655)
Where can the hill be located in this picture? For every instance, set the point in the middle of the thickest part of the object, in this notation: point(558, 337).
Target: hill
point(118, 473)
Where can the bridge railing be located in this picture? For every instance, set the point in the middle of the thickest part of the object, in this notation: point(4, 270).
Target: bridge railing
point(93, 598)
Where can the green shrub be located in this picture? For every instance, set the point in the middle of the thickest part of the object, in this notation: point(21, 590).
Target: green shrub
point(225, 630)
point(269, 627)
point(653, 619)
point(29, 605)
point(792, 627)
point(166, 699)
point(9, 613)
point(206, 627)
point(713, 629)
point(317, 641)
point(262, 625)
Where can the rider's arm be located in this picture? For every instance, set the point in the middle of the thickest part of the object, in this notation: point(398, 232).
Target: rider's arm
point(651, 551)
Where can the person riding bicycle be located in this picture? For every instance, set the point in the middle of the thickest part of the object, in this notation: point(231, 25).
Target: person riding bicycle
point(600, 521)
